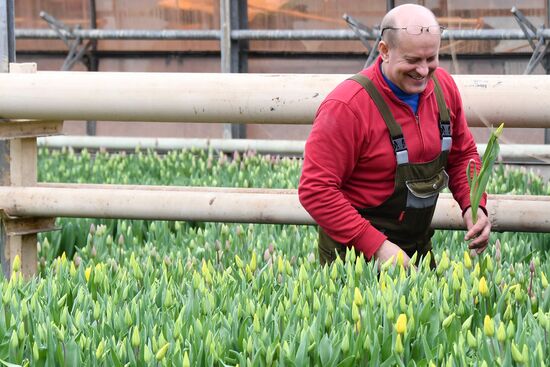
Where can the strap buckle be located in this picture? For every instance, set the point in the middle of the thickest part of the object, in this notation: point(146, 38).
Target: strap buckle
point(398, 143)
point(445, 129)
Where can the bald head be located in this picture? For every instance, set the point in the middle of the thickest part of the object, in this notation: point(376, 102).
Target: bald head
point(403, 16)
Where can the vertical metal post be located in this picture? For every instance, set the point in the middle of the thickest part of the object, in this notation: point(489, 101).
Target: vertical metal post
point(7, 55)
point(239, 20)
point(233, 15)
point(93, 62)
point(390, 4)
point(546, 63)
point(7, 35)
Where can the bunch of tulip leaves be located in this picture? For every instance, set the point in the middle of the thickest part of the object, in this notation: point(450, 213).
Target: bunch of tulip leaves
point(478, 180)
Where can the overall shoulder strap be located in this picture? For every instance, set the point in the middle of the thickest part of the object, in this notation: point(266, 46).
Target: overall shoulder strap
point(398, 141)
point(444, 117)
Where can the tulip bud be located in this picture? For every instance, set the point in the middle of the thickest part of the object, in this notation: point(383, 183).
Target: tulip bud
point(316, 303)
point(489, 264)
point(87, 273)
point(467, 260)
point(398, 345)
point(302, 274)
point(24, 310)
point(516, 354)
point(443, 264)
point(147, 354)
point(477, 270)
point(448, 320)
point(331, 287)
point(483, 289)
point(400, 258)
point(359, 266)
point(253, 262)
point(162, 352)
point(64, 316)
point(357, 297)
point(471, 340)
point(186, 361)
point(525, 353)
point(168, 299)
point(518, 295)
point(256, 324)
point(14, 341)
point(354, 313)
point(35, 352)
point(345, 344)
point(136, 340)
point(249, 346)
point(16, 266)
point(401, 324)
point(328, 321)
point(100, 349)
point(501, 333)
point(127, 317)
point(97, 310)
point(467, 323)
point(488, 326)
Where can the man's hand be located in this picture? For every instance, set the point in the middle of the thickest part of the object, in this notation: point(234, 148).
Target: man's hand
point(388, 250)
point(478, 233)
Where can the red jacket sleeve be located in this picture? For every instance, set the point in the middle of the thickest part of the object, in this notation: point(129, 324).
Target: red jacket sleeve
point(332, 148)
point(463, 148)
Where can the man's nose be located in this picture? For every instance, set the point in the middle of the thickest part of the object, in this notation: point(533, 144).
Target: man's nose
point(423, 69)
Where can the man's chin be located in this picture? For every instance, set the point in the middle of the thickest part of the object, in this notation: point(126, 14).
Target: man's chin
point(415, 88)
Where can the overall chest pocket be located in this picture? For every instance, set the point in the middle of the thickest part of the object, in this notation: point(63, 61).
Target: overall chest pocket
point(423, 193)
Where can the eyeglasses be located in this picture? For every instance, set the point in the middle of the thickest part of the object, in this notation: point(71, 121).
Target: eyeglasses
point(415, 30)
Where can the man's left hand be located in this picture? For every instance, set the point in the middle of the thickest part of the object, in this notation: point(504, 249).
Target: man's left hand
point(477, 233)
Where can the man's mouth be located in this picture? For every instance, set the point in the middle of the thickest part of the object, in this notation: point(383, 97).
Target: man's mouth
point(416, 77)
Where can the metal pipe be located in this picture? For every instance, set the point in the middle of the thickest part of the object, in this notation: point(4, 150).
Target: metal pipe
point(93, 61)
point(262, 34)
point(7, 35)
point(508, 213)
point(120, 34)
point(226, 50)
point(341, 34)
point(263, 146)
point(295, 147)
point(516, 100)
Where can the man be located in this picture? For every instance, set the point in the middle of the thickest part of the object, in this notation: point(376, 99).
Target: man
point(385, 143)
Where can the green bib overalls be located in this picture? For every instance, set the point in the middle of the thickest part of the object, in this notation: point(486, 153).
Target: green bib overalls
point(405, 217)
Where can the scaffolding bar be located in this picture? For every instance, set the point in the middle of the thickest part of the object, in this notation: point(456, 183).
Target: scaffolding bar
point(281, 34)
point(129, 34)
point(262, 146)
point(507, 212)
point(517, 100)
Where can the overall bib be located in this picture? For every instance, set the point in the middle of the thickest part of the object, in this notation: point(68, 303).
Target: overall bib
point(405, 217)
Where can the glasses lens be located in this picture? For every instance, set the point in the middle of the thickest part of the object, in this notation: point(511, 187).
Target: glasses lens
point(435, 29)
point(414, 29)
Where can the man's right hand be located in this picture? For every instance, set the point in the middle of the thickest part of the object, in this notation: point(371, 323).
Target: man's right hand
point(388, 250)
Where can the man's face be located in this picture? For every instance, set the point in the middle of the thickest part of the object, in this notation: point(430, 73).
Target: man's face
point(410, 63)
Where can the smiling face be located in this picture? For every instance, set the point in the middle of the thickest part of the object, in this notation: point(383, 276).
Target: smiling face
point(410, 60)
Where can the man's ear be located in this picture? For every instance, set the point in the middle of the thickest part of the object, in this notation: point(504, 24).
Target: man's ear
point(384, 50)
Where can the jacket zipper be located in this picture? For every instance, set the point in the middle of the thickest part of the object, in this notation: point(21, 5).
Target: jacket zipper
point(419, 130)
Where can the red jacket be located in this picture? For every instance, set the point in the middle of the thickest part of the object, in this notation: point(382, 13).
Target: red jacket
point(349, 161)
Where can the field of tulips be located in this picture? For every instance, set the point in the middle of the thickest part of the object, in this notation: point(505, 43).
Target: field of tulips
point(146, 293)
